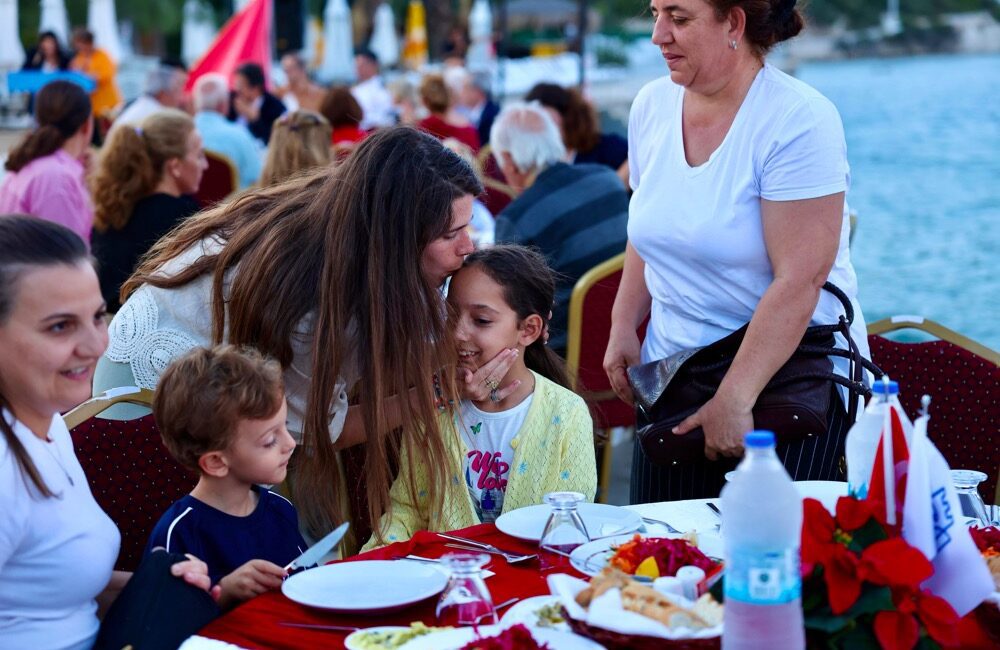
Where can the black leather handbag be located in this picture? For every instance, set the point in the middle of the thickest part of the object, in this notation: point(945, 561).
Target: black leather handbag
point(794, 404)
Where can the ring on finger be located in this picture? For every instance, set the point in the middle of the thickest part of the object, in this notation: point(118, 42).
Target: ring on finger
point(494, 396)
point(491, 383)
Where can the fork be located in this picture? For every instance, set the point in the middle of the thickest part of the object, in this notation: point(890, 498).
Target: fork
point(670, 529)
point(512, 558)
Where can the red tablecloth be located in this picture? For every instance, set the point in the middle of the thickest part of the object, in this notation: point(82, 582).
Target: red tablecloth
point(255, 624)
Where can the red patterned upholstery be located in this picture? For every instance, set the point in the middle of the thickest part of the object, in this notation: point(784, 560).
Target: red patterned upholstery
point(965, 402)
point(219, 180)
point(133, 477)
point(592, 381)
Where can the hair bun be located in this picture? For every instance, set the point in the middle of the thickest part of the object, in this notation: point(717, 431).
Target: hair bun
point(783, 11)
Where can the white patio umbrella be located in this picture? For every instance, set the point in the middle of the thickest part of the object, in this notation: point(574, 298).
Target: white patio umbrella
point(385, 41)
point(197, 32)
point(11, 51)
point(481, 54)
point(338, 43)
point(103, 23)
point(54, 20)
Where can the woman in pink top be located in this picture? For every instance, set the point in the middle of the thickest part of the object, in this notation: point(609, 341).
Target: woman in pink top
point(46, 169)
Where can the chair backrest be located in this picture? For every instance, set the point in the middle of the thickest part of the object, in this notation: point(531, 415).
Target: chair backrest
point(587, 341)
point(219, 180)
point(132, 476)
point(961, 376)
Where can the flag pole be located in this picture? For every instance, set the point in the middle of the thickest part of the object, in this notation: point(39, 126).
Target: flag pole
point(888, 461)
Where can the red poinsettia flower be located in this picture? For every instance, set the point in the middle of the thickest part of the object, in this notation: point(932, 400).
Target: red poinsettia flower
point(895, 563)
point(818, 528)
point(896, 630)
point(852, 513)
point(937, 615)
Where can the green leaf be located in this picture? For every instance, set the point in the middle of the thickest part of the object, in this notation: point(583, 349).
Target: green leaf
point(860, 637)
point(827, 623)
point(872, 599)
point(926, 643)
point(867, 535)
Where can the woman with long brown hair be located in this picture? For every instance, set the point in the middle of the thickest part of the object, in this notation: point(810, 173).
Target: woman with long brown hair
point(47, 167)
point(336, 275)
point(300, 140)
point(142, 190)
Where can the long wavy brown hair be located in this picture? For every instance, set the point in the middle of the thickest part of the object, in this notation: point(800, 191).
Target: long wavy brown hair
point(132, 164)
point(344, 245)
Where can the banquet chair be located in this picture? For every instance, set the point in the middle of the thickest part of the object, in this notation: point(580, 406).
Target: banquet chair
point(132, 476)
point(586, 342)
point(219, 180)
point(961, 376)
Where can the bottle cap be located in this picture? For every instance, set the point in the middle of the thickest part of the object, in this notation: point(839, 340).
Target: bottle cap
point(879, 387)
point(759, 438)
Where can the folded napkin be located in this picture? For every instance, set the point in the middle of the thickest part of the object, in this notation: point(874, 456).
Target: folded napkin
point(204, 643)
point(606, 612)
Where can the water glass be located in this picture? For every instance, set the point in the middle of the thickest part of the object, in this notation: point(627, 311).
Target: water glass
point(564, 530)
point(466, 600)
point(966, 482)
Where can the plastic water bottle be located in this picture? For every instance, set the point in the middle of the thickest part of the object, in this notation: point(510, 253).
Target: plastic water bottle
point(863, 438)
point(762, 524)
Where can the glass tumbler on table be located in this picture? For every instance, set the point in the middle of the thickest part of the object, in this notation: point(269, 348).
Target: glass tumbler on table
point(466, 600)
point(966, 482)
point(564, 530)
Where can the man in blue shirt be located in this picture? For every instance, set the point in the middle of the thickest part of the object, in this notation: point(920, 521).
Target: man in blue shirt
point(219, 135)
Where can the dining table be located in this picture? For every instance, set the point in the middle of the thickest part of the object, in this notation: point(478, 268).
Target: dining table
point(262, 622)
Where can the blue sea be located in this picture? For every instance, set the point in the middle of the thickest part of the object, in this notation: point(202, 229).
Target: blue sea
point(923, 140)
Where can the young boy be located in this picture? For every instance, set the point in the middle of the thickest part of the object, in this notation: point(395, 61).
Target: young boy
point(221, 412)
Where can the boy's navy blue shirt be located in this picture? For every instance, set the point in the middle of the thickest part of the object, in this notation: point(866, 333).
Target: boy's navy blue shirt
point(225, 542)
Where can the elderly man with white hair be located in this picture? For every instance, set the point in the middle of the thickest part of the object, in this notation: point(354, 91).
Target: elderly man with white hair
point(163, 88)
point(219, 135)
point(575, 214)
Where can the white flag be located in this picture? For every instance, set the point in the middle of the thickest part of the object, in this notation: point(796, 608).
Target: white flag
point(933, 523)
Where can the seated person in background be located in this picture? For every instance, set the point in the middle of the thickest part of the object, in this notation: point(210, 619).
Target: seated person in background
point(219, 135)
point(142, 189)
point(375, 100)
point(252, 106)
point(507, 450)
point(575, 214)
point(475, 98)
point(300, 92)
point(344, 114)
point(47, 55)
point(581, 128)
point(300, 141)
point(96, 64)
point(443, 121)
point(221, 412)
point(163, 88)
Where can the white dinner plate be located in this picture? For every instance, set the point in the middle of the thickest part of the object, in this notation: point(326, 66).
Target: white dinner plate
point(372, 586)
point(454, 639)
point(591, 558)
point(826, 492)
point(525, 612)
point(352, 641)
point(601, 520)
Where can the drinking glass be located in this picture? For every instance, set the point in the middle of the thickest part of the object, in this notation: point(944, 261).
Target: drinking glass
point(966, 482)
point(466, 600)
point(564, 530)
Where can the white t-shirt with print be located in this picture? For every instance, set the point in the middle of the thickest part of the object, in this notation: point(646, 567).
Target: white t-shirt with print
point(489, 454)
point(699, 230)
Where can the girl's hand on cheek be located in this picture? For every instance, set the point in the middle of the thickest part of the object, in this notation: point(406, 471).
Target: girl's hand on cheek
point(478, 385)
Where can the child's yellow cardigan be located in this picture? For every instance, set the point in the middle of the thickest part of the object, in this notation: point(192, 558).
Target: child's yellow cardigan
point(553, 451)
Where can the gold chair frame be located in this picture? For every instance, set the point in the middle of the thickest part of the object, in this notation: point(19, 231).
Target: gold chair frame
point(902, 322)
point(100, 403)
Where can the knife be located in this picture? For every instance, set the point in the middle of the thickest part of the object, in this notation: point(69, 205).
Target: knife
point(319, 549)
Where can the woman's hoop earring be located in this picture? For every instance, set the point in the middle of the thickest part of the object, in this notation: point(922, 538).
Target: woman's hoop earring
point(733, 44)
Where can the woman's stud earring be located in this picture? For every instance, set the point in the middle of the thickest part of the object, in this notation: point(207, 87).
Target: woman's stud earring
point(733, 44)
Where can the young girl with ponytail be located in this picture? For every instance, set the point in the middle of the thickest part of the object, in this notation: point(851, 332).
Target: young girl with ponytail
point(508, 450)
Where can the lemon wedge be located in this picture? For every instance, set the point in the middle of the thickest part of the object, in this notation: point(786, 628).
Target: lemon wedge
point(648, 568)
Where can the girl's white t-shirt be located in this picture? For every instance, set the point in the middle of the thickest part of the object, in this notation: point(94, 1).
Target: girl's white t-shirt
point(56, 553)
point(489, 454)
point(699, 230)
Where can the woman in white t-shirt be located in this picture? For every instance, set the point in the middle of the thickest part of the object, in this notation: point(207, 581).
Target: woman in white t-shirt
point(740, 174)
point(57, 547)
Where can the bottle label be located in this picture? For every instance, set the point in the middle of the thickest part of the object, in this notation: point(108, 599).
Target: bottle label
point(764, 578)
